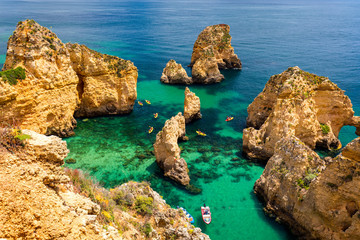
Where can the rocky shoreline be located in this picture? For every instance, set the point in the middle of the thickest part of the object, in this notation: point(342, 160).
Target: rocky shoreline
point(317, 198)
point(40, 200)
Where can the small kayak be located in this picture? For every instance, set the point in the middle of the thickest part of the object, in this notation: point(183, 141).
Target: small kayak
point(228, 119)
point(200, 133)
point(140, 103)
point(147, 101)
point(156, 115)
point(206, 214)
point(151, 129)
point(188, 215)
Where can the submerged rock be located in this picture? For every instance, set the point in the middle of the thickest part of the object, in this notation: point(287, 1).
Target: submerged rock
point(216, 41)
point(191, 106)
point(206, 71)
point(174, 73)
point(167, 151)
point(317, 199)
point(296, 103)
point(61, 79)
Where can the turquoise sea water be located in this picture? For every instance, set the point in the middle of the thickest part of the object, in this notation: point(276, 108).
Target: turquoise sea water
point(321, 37)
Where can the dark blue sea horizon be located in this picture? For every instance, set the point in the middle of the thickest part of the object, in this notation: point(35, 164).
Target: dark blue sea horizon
point(321, 37)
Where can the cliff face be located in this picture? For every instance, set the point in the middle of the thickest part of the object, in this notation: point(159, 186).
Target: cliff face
point(191, 106)
point(31, 206)
point(296, 103)
point(39, 200)
point(107, 84)
point(318, 199)
point(46, 100)
point(61, 79)
point(167, 151)
point(217, 40)
point(174, 73)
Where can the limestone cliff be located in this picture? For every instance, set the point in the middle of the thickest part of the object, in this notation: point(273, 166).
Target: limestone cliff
point(206, 71)
point(296, 103)
point(216, 41)
point(191, 106)
point(30, 204)
point(174, 73)
point(38, 199)
point(46, 100)
point(167, 151)
point(316, 198)
point(107, 84)
point(61, 79)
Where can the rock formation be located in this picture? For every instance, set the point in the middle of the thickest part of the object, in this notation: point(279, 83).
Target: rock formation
point(31, 206)
point(191, 106)
point(316, 198)
point(39, 200)
point(61, 79)
point(174, 73)
point(107, 84)
point(206, 71)
point(167, 151)
point(216, 41)
point(297, 103)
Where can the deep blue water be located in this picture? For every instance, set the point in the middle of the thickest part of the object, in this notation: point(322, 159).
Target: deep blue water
point(322, 37)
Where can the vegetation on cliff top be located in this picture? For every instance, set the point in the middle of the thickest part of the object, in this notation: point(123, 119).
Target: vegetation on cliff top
point(115, 201)
point(13, 75)
point(11, 138)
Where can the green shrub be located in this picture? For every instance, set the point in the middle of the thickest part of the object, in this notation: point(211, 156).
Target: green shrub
point(144, 204)
point(302, 184)
point(13, 75)
point(324, 128)
point(119, 197)
point(11, 139)
point(147, 229)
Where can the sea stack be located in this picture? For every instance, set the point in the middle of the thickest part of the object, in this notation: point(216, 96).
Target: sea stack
point(316, 198)
point(206, 71)
point(167, 151)
point(297, 103)
point(60, 80)
point(215, 40)
point(191, 106)
point(174, 73)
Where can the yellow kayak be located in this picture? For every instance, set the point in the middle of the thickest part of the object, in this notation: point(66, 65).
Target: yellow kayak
point(229, 119)
point(140, 103)
point(156, 115)
point(147, 101)
point(151, 130)
point(200, 133)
